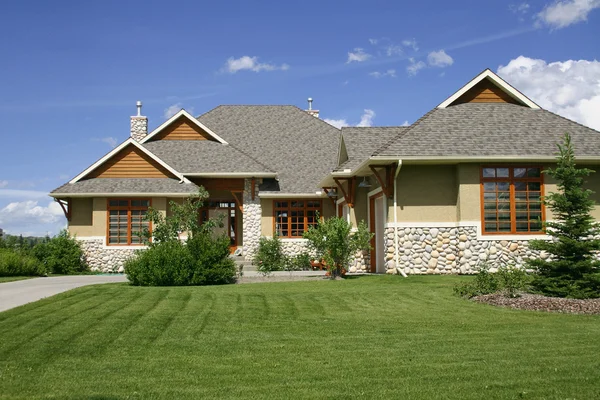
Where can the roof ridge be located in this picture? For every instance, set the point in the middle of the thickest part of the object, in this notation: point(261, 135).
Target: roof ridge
point(406, 131)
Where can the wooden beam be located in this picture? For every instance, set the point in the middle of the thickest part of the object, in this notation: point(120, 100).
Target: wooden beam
point(348, 196)
point(66, 207)
point(381, 181)
point(238, 200)
point(253, 183)
point(386, 182)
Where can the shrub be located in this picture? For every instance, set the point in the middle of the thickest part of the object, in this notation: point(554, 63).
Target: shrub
point(301, 262)
point(269, 256)
point(333, 241)
point(509, 281)
point(61, 255)
point(212, 263)
point(202, 260)
point(168, 264)
point(15, 263)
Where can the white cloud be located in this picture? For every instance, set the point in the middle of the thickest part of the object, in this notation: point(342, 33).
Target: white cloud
point(415, 66)
point(393, 50)
point(171, 110)
point(373, 41)
point(439, 59)
point(338, 123)
point(234, 65)
point(22, 194)
point(390, 72)
point(30, 218)
point(561, 14)
point(365, 120)
point(569, 88)
point(358, 55)
point(410, 43)
point(519, 9)
point(3, 183)
point(405, 123)
point(111, 141)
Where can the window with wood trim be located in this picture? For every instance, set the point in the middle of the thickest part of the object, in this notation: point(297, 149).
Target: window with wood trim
point(126, 222)
point(293, 217)
point(512, 200)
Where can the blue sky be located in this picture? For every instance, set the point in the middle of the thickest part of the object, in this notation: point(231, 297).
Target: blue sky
point(72, 71)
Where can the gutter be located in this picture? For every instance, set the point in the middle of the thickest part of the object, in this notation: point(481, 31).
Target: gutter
point(396, 255)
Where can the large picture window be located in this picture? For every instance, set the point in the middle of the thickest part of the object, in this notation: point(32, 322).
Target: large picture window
point(294, 217)
point(126, 223)
point(512, 200)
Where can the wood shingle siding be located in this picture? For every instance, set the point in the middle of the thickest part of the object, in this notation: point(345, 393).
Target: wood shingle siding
point(131, 162)
point(485, 92)
point(181, 129)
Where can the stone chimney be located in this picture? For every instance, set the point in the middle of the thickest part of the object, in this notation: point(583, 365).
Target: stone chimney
point(139, 124)
point(314, 113)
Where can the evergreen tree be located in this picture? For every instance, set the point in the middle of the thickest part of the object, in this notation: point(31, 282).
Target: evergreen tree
point(572, 270)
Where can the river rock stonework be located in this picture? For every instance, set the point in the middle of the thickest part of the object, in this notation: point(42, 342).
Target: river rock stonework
point(103, 259)
point(251, 219)
point(454, 250)
point(139, 128)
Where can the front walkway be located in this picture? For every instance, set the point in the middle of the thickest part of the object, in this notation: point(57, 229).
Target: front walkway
point(17, 293)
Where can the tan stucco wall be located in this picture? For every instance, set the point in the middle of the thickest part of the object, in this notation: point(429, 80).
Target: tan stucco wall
point(426, 193)
point(88, 215)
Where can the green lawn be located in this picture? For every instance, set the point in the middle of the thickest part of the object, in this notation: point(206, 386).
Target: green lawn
point(14, 278)
point(372, 337)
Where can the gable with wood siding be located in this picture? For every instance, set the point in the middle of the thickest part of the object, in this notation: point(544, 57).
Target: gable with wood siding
point(182, 129)
point(131, 162)
point(485, 92)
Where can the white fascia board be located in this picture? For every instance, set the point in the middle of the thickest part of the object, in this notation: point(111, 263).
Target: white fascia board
point(290, 195)
point(231, 174)
point(514, 93)
point(438, 159)
point(121, 147)
point(191, 119)
point(65, 195)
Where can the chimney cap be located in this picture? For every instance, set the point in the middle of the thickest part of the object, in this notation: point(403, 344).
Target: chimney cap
point(139, 108)
point(310, 100)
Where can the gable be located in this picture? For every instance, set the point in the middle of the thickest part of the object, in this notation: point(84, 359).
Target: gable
point(485, 92)
point(130, 162)
point(182, 129)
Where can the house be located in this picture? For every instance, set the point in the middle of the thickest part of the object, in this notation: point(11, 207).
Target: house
point(461, 186)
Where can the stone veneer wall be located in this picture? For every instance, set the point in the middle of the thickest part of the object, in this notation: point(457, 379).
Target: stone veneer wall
point(103, 259)
point(452, 251)
point(251, 219)
point(139, 127)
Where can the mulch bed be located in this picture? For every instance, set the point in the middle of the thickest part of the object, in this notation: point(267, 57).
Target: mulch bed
point(537, 302)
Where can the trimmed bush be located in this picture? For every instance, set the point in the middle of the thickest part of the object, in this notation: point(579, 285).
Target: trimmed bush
point(14, 263)
point(167, 264)
point(509, 281)
point(61, 255)
point(212, 263)
point(269, 256)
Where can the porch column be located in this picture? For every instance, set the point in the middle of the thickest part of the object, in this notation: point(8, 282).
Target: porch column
point(251, 218)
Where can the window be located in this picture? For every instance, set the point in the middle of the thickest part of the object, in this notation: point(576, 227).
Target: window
point(293, 217)
point(126, 223)
point(512, 199)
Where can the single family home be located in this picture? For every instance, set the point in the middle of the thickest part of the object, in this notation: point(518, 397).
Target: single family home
point(461, 186)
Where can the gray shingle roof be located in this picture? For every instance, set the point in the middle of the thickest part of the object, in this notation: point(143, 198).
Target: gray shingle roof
point(361, 143)
point(490, 129)
point(197, 156)
point(302, 149)
point(126, 185)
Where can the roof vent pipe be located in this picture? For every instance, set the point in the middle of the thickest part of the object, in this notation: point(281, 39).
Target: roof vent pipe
point(314, 113)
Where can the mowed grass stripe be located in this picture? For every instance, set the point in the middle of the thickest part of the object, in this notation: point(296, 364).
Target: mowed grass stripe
point(373, 337)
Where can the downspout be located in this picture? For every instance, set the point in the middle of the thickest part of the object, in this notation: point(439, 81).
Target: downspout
point(396, 255)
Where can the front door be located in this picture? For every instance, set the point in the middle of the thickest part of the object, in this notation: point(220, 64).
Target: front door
point(376, 225)
point(227, 210)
